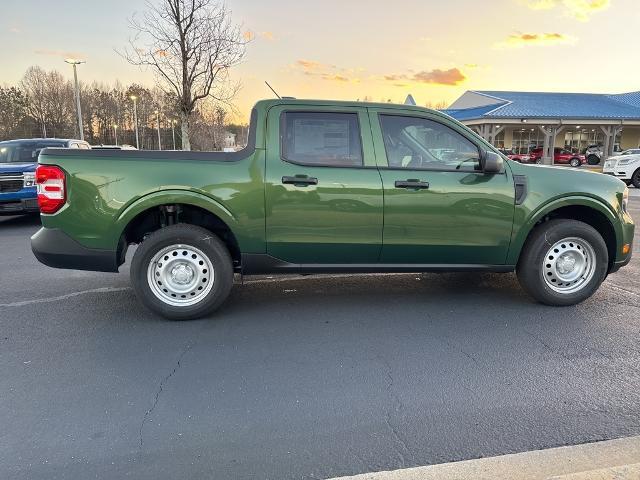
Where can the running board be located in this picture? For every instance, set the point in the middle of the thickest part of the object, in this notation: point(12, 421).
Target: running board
point(259, 263)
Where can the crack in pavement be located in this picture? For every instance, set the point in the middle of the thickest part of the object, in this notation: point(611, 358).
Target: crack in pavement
point(159, 392)
point(64, 297)
point(387, 417)
point(458, 348)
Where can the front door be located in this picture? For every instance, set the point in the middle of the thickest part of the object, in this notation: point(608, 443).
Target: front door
point(440, 207)
point(323, 191)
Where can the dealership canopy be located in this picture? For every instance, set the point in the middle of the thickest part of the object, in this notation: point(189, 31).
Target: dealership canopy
point(520, 120)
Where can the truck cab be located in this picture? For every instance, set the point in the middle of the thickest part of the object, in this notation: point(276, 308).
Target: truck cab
point(18, 161)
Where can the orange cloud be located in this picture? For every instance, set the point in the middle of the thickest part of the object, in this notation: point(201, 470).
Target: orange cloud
point(452, 76)
point(326, 72)
point(579, 9)
point(517, 40)
point(268, 35)
point(308, 64)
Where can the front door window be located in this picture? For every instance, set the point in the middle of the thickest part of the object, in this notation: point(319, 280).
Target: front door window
point(422, 144)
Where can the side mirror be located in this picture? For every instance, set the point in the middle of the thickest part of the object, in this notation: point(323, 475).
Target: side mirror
point(493, 162)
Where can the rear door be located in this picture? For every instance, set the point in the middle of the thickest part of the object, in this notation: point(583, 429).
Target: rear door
point(440, 207)
point(323, 190)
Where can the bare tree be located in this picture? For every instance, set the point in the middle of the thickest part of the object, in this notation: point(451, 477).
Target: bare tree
point(50, 101)
point(34, 84)
point(13, 113)
point(60, 109)
point(191, 46)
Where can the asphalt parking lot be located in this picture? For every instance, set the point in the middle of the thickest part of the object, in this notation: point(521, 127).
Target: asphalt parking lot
point(303, 378)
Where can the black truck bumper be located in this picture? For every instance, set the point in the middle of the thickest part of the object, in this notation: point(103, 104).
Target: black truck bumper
point(55, 248)
point(19, 207)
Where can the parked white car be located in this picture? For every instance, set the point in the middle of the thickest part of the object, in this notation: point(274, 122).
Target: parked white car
point(631, 151)
point(625, 167)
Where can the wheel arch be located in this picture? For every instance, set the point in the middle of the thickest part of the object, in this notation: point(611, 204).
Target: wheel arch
point(585, 209)
point(154, 211)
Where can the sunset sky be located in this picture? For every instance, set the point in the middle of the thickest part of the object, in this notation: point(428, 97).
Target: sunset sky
point(351, 49)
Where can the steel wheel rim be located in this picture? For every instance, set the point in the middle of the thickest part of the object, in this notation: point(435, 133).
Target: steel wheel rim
point(569, 265)
point(180, 275)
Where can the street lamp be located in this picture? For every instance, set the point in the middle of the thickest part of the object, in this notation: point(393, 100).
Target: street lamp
point(173, 131)
point(158, 120)
point(75, 63)
point(115, 133)
point(135, 118)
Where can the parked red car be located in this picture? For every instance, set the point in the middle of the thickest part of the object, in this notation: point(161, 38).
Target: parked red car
point(560, 156)
point(517, 157)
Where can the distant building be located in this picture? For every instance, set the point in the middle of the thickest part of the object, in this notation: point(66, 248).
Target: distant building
point(228, 139)
point(524, 120)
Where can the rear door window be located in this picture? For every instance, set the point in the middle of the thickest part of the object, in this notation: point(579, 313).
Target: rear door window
point(321, 139)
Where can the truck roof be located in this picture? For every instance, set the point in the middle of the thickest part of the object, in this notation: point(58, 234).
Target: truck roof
point(268, 103)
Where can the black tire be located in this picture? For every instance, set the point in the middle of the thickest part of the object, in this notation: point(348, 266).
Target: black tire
point(188, 236)
point(574, 162)
point(593, 159)
point(635, 178)
point(532, 262)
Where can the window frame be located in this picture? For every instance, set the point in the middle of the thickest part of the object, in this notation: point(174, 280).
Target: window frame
point(481, 148)
point(282, 129)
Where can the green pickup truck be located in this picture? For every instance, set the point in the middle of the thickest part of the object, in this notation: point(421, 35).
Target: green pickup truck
point(327, 186)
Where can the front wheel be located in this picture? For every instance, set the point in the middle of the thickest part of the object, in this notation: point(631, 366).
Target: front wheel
point(182, 272)
point(574, 162)
point(563, 262)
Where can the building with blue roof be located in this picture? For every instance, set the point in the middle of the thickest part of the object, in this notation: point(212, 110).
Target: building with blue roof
point(522, 121)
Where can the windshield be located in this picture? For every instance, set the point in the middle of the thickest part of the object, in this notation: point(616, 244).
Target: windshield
point(24, 152)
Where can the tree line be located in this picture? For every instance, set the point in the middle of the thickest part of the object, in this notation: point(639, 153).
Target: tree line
point(42, 104)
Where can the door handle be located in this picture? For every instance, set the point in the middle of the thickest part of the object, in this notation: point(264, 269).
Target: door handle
point(300, 181)
point(412, 184)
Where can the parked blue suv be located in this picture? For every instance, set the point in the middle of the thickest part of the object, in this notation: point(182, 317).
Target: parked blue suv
point(18, 161)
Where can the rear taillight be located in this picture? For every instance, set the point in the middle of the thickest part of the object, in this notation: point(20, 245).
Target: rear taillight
point(51, 188)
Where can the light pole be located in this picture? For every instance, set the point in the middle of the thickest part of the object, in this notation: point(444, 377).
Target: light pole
point(135, 118)
point(75, 63)
point(158, 120)
point(173, 132)
point(115, 133)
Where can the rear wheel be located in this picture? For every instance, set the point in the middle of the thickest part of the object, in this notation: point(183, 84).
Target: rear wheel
point(593, 159)
point(182, 272)
point(635, 178)
point(563, 262)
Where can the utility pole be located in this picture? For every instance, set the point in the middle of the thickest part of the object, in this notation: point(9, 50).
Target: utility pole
point(158, 120)
point(75, 63)
point(173, 132)
point(135, 118)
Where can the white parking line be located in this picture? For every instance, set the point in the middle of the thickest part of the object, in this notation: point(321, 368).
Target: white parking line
point(607, 460)
point(64, 297)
